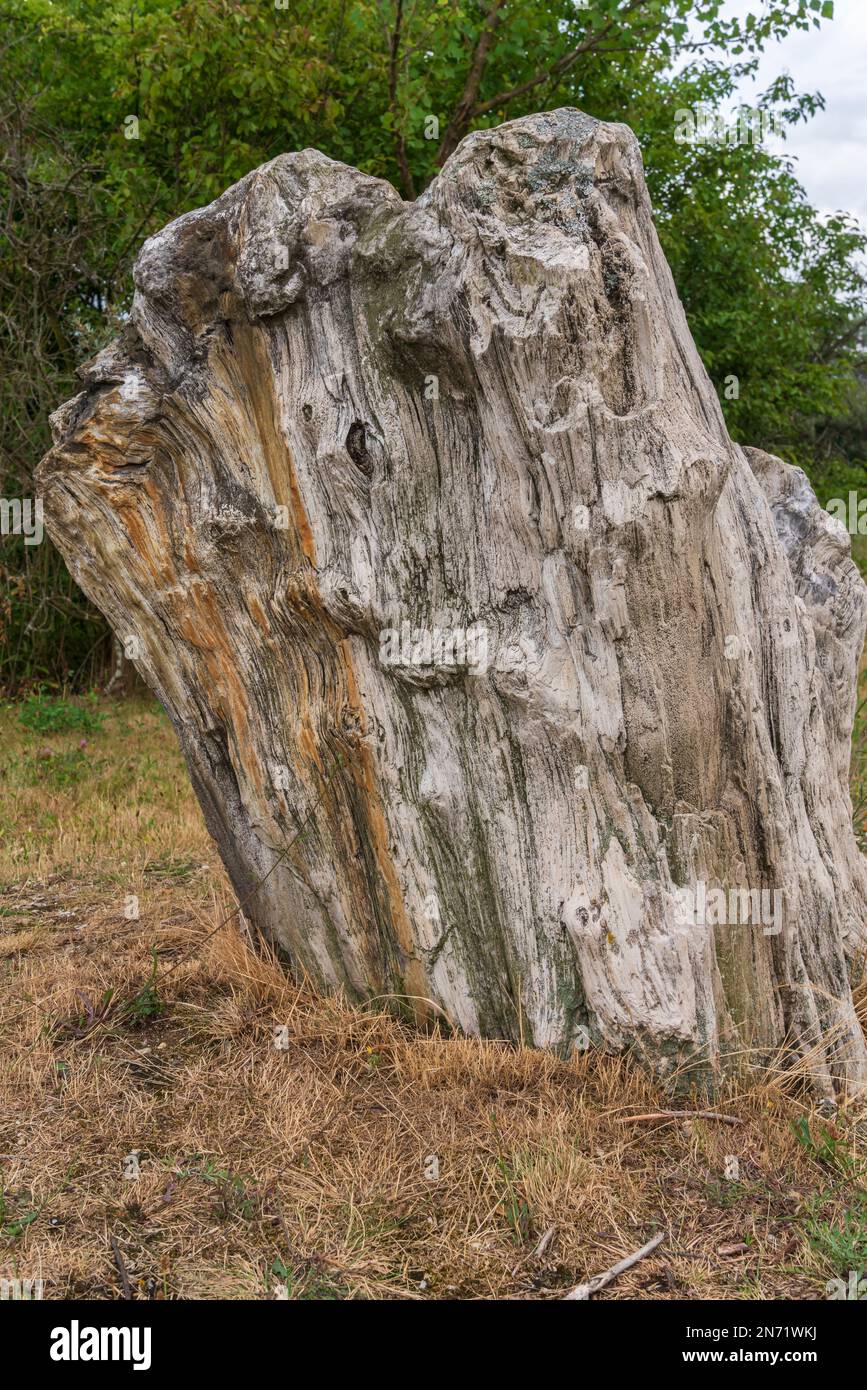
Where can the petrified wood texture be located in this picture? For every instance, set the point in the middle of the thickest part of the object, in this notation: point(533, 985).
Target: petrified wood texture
point(339, 426)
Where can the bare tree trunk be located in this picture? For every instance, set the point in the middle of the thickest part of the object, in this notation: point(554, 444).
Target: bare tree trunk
point(427, 526)
point(123, 674)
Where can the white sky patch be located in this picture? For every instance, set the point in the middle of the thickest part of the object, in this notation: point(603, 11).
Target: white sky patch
point(830, 150)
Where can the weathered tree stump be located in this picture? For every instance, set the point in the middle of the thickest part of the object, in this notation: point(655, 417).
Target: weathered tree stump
point(422, 522)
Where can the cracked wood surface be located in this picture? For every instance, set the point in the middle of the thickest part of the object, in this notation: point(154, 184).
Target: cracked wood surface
point(333, 413)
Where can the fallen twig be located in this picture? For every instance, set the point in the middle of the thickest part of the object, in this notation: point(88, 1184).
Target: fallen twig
point(121, 1269)
point(680, 1115)
point(542, 1247)
point(585, 1291)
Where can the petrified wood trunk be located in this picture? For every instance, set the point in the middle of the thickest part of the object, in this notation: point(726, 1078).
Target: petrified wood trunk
point(423, 523)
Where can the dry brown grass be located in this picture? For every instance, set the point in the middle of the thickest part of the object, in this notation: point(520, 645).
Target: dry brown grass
point(306, 1167)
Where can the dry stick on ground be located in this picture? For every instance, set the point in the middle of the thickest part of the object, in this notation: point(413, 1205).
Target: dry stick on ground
point(585, 1291)
point(680, 1115)
point(542, 1247)
point(121, 1269)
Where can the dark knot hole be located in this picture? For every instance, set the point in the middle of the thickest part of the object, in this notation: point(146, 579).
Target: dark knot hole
point(356, 447)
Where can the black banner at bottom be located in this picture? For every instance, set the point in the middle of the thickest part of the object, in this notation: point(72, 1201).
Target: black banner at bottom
point(59, 1340)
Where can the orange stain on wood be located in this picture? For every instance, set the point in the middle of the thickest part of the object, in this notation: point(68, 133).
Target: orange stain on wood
point(319, 678)
point(251, 354)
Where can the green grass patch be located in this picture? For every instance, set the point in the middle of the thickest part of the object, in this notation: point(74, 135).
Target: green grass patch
point(50, 714)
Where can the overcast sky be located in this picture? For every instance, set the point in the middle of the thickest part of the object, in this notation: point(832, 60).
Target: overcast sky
point(831, 148)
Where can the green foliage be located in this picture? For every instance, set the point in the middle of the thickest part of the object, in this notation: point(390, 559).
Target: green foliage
point(212, 88)
point(309, 1286)
point(48, 714)
point(836, 1225)
point(844, 1245)
point(772, 290)
point(12, 1224)
point(55, 260)
point(841, 1239)
point(147, 1003)
point(513, 1206)
point(825, 1148)
point(57, 770)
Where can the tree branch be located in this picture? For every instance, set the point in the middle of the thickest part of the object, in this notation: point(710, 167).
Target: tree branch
point(406, 178)
point(557, 69)
point(463, 112)
point(830, 350)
